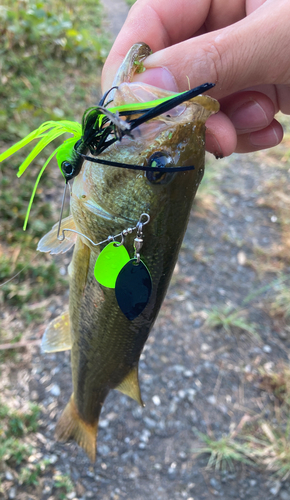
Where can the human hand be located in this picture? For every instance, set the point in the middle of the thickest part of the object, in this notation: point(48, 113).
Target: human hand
point(242, 46)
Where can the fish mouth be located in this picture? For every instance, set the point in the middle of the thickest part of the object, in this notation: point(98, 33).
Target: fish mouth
point(104, 214)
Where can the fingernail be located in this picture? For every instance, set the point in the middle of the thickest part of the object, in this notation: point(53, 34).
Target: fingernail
point(159, 77)
point(249, 116)
point(213, 146)
point(266, 138)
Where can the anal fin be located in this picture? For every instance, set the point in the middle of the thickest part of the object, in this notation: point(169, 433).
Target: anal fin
point(50, 243)
point(130, 386)
point(57, 335)
point(72, 426)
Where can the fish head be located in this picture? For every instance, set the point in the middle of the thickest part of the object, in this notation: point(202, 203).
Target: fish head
point(106, 198)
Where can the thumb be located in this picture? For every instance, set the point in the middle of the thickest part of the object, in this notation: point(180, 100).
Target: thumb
point(253, 51)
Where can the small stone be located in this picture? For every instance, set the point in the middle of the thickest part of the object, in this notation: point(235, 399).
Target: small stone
point(267, 348)
point(212, 399)
point(172, 469)
point(47, 489)
point(9, 476)
point(55, 390)
point(149, 422)
point(189, 306)
point(34, 396)
point(188, 373)
point(276, 488)
point(182, 455)
point(71, 495)
point(241, 258)
point(156, 400)
point(62, 271)
point(145, 435)
point(214, 483)
point(53, 459)
point(103, 450)
point(253, 482)
point(205, 347)
point(178, 368)
point(12, 493)
point(103, 424)
point(137, 413)
point(191, 394)
point(157, 466)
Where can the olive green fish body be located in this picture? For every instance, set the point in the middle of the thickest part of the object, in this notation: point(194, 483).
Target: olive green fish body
point(105, 344)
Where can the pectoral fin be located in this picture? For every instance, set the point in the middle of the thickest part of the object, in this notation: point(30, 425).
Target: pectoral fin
point(50, 243)
point(130, 386)
point(57, 335)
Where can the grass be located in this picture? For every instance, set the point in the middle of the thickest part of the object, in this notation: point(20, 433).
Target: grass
point(277, 383)
point(50, 62)
point(256, 441)
point(271, 449)
point(224, 452)
point(229, 319)
point(63, 484)
point(267, 448)
point(43, 43)
point(30, 475)
point(14, 427)
point(17, 449)
point(50, 54)
point(280, 306)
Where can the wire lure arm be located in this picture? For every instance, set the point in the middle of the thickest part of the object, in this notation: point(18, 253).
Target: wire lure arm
point(110, 239)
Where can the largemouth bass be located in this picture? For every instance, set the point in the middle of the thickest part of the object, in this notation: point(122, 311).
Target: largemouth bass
point(106, 344)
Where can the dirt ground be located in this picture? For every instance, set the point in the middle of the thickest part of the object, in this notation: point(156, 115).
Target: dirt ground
point(194, 378)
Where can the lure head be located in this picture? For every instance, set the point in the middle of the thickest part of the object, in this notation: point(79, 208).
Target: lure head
point(68, 159)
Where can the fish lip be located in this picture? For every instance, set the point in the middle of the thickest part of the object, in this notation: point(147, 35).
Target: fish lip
point(104, 214)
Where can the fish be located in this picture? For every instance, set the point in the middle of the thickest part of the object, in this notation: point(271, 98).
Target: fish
point(105, 201)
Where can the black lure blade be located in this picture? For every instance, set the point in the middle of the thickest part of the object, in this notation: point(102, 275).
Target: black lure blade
point(133, 288)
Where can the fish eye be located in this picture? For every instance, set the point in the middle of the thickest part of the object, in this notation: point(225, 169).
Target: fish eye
point(159, 159)
point(67, 168)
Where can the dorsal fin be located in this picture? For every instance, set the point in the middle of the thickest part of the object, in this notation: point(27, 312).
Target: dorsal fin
point(50, 243)
point(57, 335)
point(130, 386)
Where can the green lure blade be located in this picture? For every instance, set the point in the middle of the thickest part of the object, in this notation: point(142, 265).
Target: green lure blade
point(109, 264)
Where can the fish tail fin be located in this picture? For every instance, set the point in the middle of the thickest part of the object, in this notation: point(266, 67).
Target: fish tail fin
point(72, 426)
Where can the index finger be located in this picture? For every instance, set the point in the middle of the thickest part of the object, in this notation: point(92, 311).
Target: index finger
point(157, 24)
